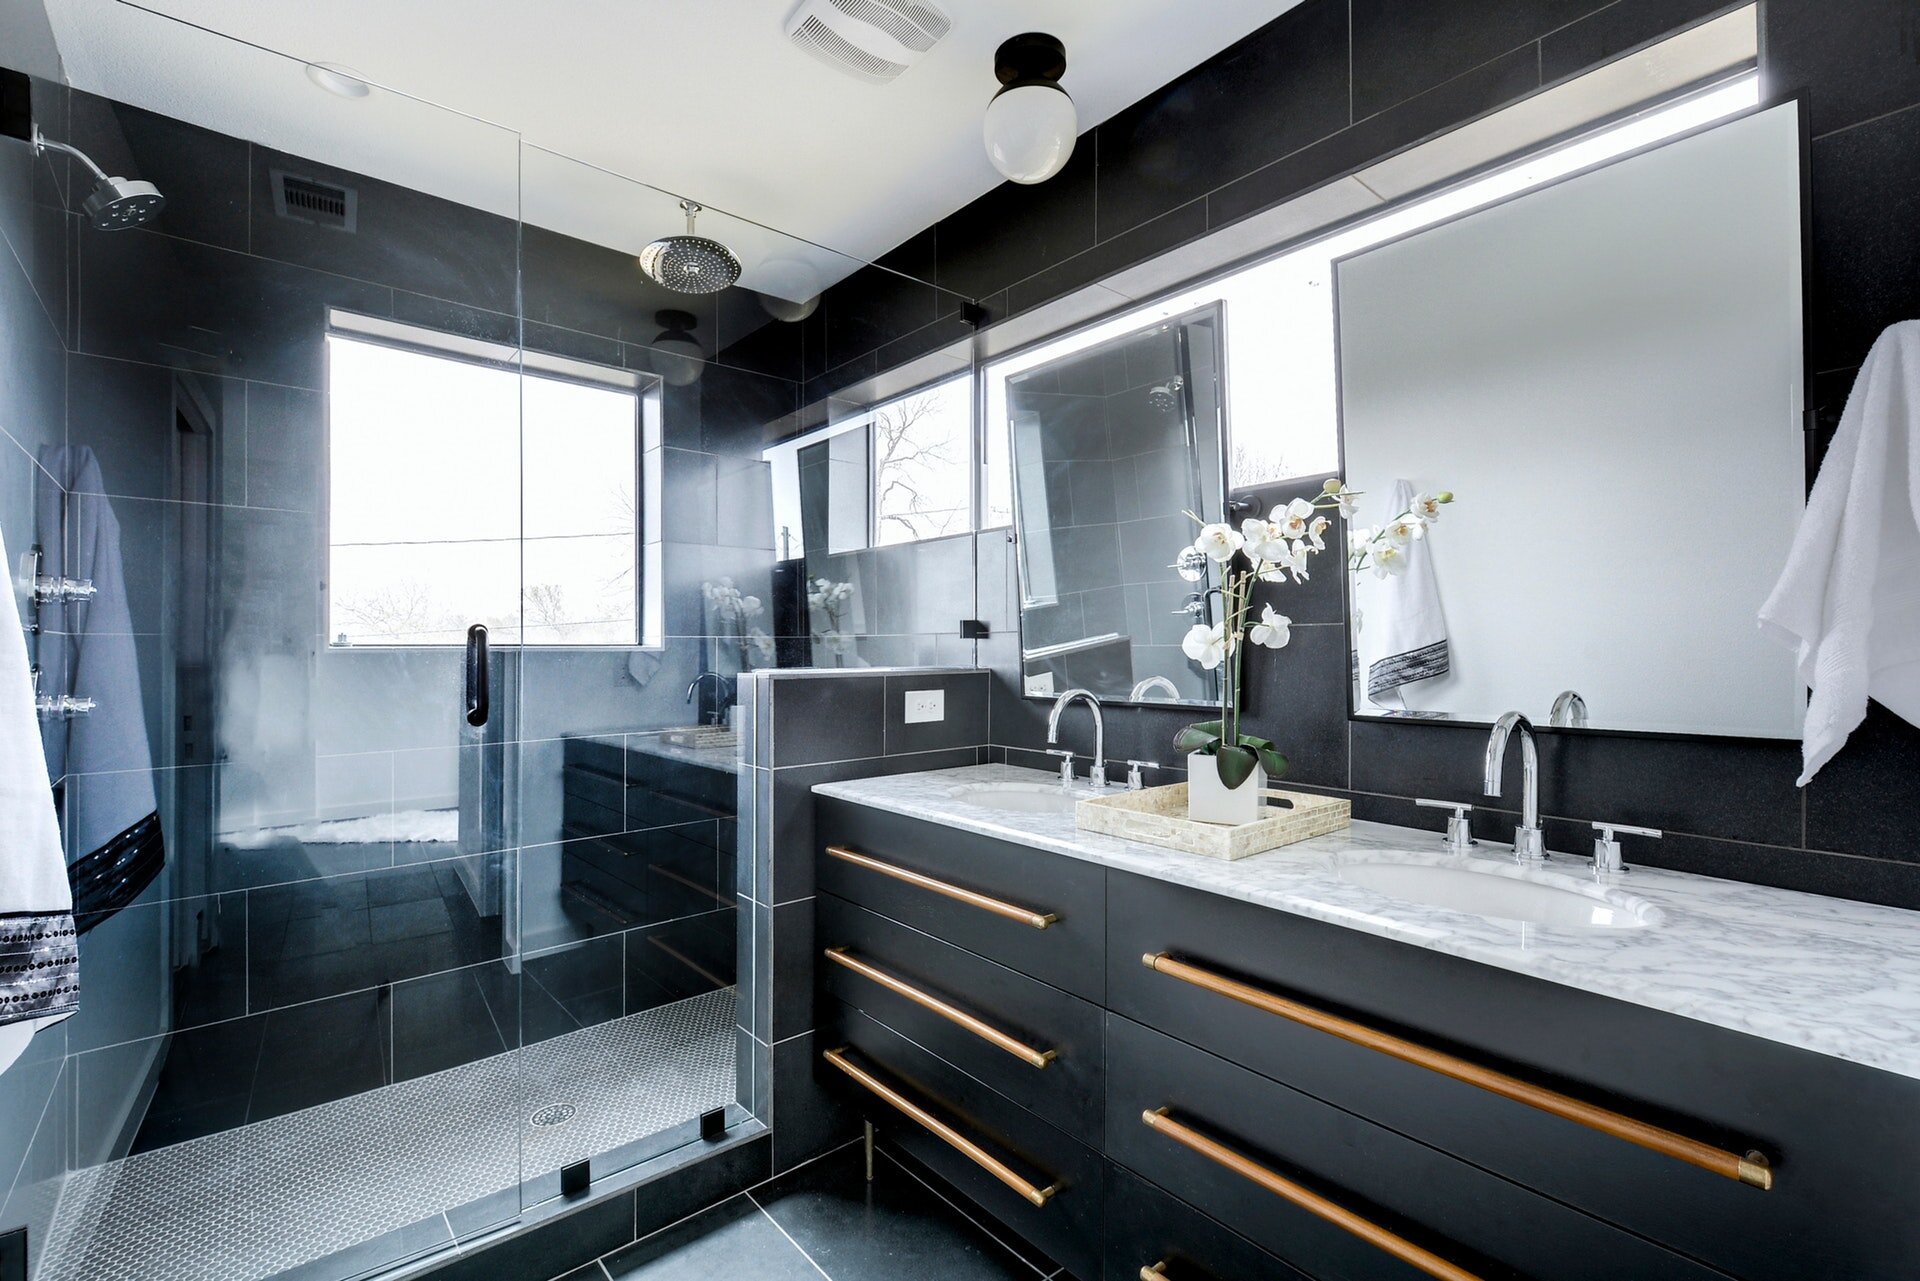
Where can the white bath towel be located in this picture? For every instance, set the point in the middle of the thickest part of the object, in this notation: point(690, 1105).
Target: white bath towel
point(39, 952)
point(1404, 636)
point(1849, 601)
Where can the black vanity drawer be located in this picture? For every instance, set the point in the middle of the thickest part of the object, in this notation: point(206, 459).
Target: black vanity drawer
point(1069, 1175)
point(1043, 1023)
point(1063, 897)
point(1149, 1229)
point(1841, 1138)
point(1456, 1212)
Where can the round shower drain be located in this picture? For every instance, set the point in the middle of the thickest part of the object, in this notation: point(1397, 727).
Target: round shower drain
point(554, 1114)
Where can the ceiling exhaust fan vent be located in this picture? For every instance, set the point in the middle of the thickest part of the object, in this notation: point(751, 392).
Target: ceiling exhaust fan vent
point(320, 203)
point(870, 40)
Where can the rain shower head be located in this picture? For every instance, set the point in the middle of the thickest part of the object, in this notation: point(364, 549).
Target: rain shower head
point(690, 264)
point(1166, 397)
point(114, 204)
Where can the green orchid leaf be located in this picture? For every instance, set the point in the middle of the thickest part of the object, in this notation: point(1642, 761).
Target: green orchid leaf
point(1272, 762)
point(1198, 738)
point(1235, 765)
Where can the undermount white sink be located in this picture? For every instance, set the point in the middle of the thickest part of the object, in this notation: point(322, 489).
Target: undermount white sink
point(1020, 798)
point(1490, 893)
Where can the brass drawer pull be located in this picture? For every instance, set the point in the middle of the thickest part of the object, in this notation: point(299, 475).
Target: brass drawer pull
point(1751, 1169)
point(985, 1031)
point(1312, 1202)
point(941, 1130)
point(1155, 1272)
point(1038, 920)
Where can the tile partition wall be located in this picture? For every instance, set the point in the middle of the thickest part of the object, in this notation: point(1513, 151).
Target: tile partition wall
point(801, 727)
point(1331, 87)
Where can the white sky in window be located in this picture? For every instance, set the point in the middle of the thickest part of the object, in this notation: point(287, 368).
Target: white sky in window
point(434, 518)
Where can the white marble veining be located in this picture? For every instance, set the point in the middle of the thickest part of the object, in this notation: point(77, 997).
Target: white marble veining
point(1825, 974)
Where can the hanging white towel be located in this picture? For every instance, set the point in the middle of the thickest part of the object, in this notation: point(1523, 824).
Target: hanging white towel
point(1849, 600)
point(39, 952)
point(88, 650)
point(1403, 638)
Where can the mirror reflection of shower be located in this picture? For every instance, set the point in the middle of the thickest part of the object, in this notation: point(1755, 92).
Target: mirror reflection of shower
point(114, 204)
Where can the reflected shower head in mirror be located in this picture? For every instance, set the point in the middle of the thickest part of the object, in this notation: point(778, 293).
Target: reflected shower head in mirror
point(114, 204)
point(690, 264)
point(1165, 398)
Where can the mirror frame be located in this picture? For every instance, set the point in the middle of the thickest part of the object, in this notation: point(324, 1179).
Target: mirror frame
point(1816, 418)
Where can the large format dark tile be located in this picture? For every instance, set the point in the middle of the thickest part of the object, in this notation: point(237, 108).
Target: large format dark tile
point(1866, 262)
point(1857, 59)
point(828, 718)
point(1276, 91)
point(733, 1239)
point(442, 1021)
point(1405, 47)
point(1297, 697)
point(1849, 802)
point(203, 174)
point(1475, 93)
point(808, 1118)
point(892, 1227)
point(1014, 230)
point(321, 1051)
point(551, 1247)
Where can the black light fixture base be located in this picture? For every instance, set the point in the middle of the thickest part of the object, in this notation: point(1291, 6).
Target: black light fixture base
point(1033, 57)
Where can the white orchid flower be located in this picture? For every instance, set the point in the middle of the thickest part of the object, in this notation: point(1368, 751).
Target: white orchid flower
point(1218, 543)
point(1347, 499)
point(1273, 630)
point(1406, 529)
point(1426, 508)
point(749, 606)
point(1263, 540)
point(1206, 644)
point(1294, 520)
point(1316, 533)
point(1389, 559)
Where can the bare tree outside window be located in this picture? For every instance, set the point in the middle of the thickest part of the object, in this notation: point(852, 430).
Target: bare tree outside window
point(922, 464)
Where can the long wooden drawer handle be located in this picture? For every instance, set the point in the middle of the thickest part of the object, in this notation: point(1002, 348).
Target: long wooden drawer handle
point(1751, 1169)
point(941, 1130)
point(1312, 1202)
point(1011, 912)
point(927, 1001)
point(1154, 1271)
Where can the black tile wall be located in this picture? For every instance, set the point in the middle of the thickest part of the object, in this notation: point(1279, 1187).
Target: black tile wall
point(1376, 77)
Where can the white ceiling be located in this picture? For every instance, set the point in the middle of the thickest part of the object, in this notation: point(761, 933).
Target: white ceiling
point(701, 97)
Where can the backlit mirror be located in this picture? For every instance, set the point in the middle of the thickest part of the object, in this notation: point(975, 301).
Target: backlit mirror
point(1113, 443)
point(1607, 371)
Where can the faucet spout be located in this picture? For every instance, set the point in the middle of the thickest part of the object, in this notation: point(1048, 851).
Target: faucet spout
point(1529, 845)
point(1097, 775)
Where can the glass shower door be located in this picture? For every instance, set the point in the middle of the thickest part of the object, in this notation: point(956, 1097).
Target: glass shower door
point(293, 450)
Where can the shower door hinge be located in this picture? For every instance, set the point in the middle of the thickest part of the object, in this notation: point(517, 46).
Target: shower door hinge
point(713, 1125)
point(13, 1255)
point(974, 629)
point(576, 1179)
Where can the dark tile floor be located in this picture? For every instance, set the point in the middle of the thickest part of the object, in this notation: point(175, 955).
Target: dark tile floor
point(825, 1220)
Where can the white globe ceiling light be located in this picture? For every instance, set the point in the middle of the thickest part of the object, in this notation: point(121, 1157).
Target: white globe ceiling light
point(1030, 125)
point(678, 357)
point(341, 82)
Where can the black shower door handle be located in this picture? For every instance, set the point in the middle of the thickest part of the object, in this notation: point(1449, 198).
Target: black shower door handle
point(477, 674)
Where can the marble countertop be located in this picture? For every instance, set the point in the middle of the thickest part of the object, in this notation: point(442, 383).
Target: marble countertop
point(1824, 974)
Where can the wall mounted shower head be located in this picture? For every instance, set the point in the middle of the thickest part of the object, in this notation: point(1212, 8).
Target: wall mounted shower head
point(114, 204)
point(1166, 397)
point(690, 264)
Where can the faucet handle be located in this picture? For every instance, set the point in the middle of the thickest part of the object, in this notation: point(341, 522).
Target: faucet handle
point(1459, 826)
point(1606, 848)
point(1134, 781)
point(1066, 764)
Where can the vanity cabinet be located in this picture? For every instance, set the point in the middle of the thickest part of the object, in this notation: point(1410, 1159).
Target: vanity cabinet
point(1244, 1092)
point(1841, 1140)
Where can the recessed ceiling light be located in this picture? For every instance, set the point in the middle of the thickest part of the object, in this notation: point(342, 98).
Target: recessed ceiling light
point(342, 82)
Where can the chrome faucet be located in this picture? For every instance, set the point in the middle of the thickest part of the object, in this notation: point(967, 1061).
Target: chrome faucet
point(1569, 710)
point(722, 694)
point(1529, 846)
point(1097, 773)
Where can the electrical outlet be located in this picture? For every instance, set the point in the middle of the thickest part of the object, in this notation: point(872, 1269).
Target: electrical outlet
point(925, 705)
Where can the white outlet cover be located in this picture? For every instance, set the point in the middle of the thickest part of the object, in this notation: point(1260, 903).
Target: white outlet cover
point(925, 705)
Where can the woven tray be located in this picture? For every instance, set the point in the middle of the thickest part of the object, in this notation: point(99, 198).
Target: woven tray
point(1158, 816)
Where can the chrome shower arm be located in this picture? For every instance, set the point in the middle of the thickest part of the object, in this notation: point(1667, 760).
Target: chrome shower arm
point(43, 143)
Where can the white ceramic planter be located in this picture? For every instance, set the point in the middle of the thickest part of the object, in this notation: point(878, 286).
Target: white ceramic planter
point(1211, 801)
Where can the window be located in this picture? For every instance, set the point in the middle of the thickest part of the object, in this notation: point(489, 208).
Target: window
point(439, 518)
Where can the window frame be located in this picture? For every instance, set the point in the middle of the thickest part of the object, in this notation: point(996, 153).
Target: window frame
point(647, 392)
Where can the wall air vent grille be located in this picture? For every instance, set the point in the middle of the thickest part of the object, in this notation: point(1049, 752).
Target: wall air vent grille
point(321, 203)
point(870, 40)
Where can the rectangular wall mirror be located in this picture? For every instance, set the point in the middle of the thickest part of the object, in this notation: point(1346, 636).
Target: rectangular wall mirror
point(1608, 372)
point(1113, 443)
